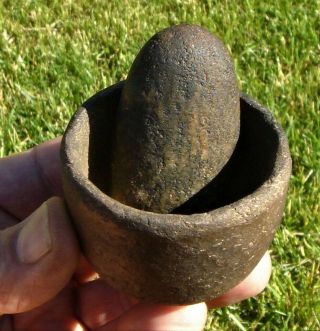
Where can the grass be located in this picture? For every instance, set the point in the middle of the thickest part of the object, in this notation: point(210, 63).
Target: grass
point(55, 54)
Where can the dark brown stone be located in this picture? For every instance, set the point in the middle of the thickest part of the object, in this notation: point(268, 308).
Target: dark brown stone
point(178, 120)
point(176, 258)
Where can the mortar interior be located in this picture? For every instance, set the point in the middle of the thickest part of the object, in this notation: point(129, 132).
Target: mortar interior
point(251, 164)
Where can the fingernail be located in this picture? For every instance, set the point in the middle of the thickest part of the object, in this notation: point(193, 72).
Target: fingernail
point(34, 239)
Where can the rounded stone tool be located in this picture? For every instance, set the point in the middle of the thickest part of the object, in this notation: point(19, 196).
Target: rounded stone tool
point(178, 120)
point(206, 245)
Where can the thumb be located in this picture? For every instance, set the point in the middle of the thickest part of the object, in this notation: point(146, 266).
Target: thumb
point(37, 258)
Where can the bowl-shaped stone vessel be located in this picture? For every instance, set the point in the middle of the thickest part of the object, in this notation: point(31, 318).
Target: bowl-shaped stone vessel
point(207, 245)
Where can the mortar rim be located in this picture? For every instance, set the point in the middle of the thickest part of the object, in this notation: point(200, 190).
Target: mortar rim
point(226, 216)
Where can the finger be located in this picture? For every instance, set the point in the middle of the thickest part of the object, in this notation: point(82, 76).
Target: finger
point(84, 272)
point(99, 303)
point(38, 257)
point(251, 286)
point(57, 314)
point(153, 317)
point(27, 179)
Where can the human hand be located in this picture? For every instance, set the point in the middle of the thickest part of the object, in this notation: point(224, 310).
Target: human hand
point(45, 284)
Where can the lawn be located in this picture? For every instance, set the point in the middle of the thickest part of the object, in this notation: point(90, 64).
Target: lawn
point(55, 54)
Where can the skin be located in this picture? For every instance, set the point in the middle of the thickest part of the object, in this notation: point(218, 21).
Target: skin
point(60, 290)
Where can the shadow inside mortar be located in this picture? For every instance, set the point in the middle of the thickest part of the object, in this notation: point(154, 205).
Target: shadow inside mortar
point(250, 165)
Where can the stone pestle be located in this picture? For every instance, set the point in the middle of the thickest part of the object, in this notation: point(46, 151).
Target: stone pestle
point(178, 120)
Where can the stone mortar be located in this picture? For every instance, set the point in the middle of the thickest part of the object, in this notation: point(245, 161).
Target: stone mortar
point(207, 245)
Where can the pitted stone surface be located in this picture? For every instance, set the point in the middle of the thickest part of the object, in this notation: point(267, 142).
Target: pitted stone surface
point(178, 120)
